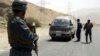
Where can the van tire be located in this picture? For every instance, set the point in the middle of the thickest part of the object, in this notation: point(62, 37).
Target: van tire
point(53, 38)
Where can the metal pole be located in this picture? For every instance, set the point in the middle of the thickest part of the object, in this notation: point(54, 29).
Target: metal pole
point(69, 8)
point(42, 10)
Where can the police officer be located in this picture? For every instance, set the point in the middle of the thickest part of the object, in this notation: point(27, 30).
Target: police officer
point(19, 34)
point(88, 27)
point(78, 32)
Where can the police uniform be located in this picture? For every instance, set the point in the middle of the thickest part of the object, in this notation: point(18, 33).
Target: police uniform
point(78, 32)
point(19, 35)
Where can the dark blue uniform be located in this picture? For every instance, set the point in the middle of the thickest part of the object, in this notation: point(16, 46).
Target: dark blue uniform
point(20, 37)
point(78, 32)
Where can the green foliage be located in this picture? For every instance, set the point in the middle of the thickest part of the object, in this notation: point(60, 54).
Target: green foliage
point(32, 20)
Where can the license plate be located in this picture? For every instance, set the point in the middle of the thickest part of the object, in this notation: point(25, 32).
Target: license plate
point(58, 34)
point(58, 31)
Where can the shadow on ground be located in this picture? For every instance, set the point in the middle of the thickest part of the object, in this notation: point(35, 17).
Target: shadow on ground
point(59, 40)
point(85, 42)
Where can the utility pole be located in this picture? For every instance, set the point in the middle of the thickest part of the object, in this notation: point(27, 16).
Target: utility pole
point(43, 3)
point(42, 11)
point(69, 8)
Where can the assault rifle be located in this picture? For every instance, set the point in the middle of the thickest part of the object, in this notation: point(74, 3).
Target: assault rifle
point(35, 44)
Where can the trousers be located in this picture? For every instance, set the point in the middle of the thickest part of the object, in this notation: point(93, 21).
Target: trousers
point(14, 52)
point(88, 33)
point(78, 35)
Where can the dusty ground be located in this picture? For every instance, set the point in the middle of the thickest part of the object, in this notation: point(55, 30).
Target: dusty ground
point(48, 47)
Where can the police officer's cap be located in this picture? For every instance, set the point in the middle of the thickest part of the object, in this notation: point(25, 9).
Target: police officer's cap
point(78, 19)
point(88, 20)
point(19, 5)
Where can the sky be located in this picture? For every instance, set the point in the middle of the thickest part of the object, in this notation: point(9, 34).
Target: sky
point(62, 5)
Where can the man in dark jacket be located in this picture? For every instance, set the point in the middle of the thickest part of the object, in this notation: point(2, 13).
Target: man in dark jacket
point(78, 32)
point(88, 27)
point(20, 36)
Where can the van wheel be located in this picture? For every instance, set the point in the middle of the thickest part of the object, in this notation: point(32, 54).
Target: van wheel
point(53, 38)
point(73, 35)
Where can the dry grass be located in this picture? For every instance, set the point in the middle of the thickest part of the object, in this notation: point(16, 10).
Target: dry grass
point(44, 17)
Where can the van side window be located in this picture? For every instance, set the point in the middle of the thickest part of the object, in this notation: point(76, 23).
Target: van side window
point(70, 22)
